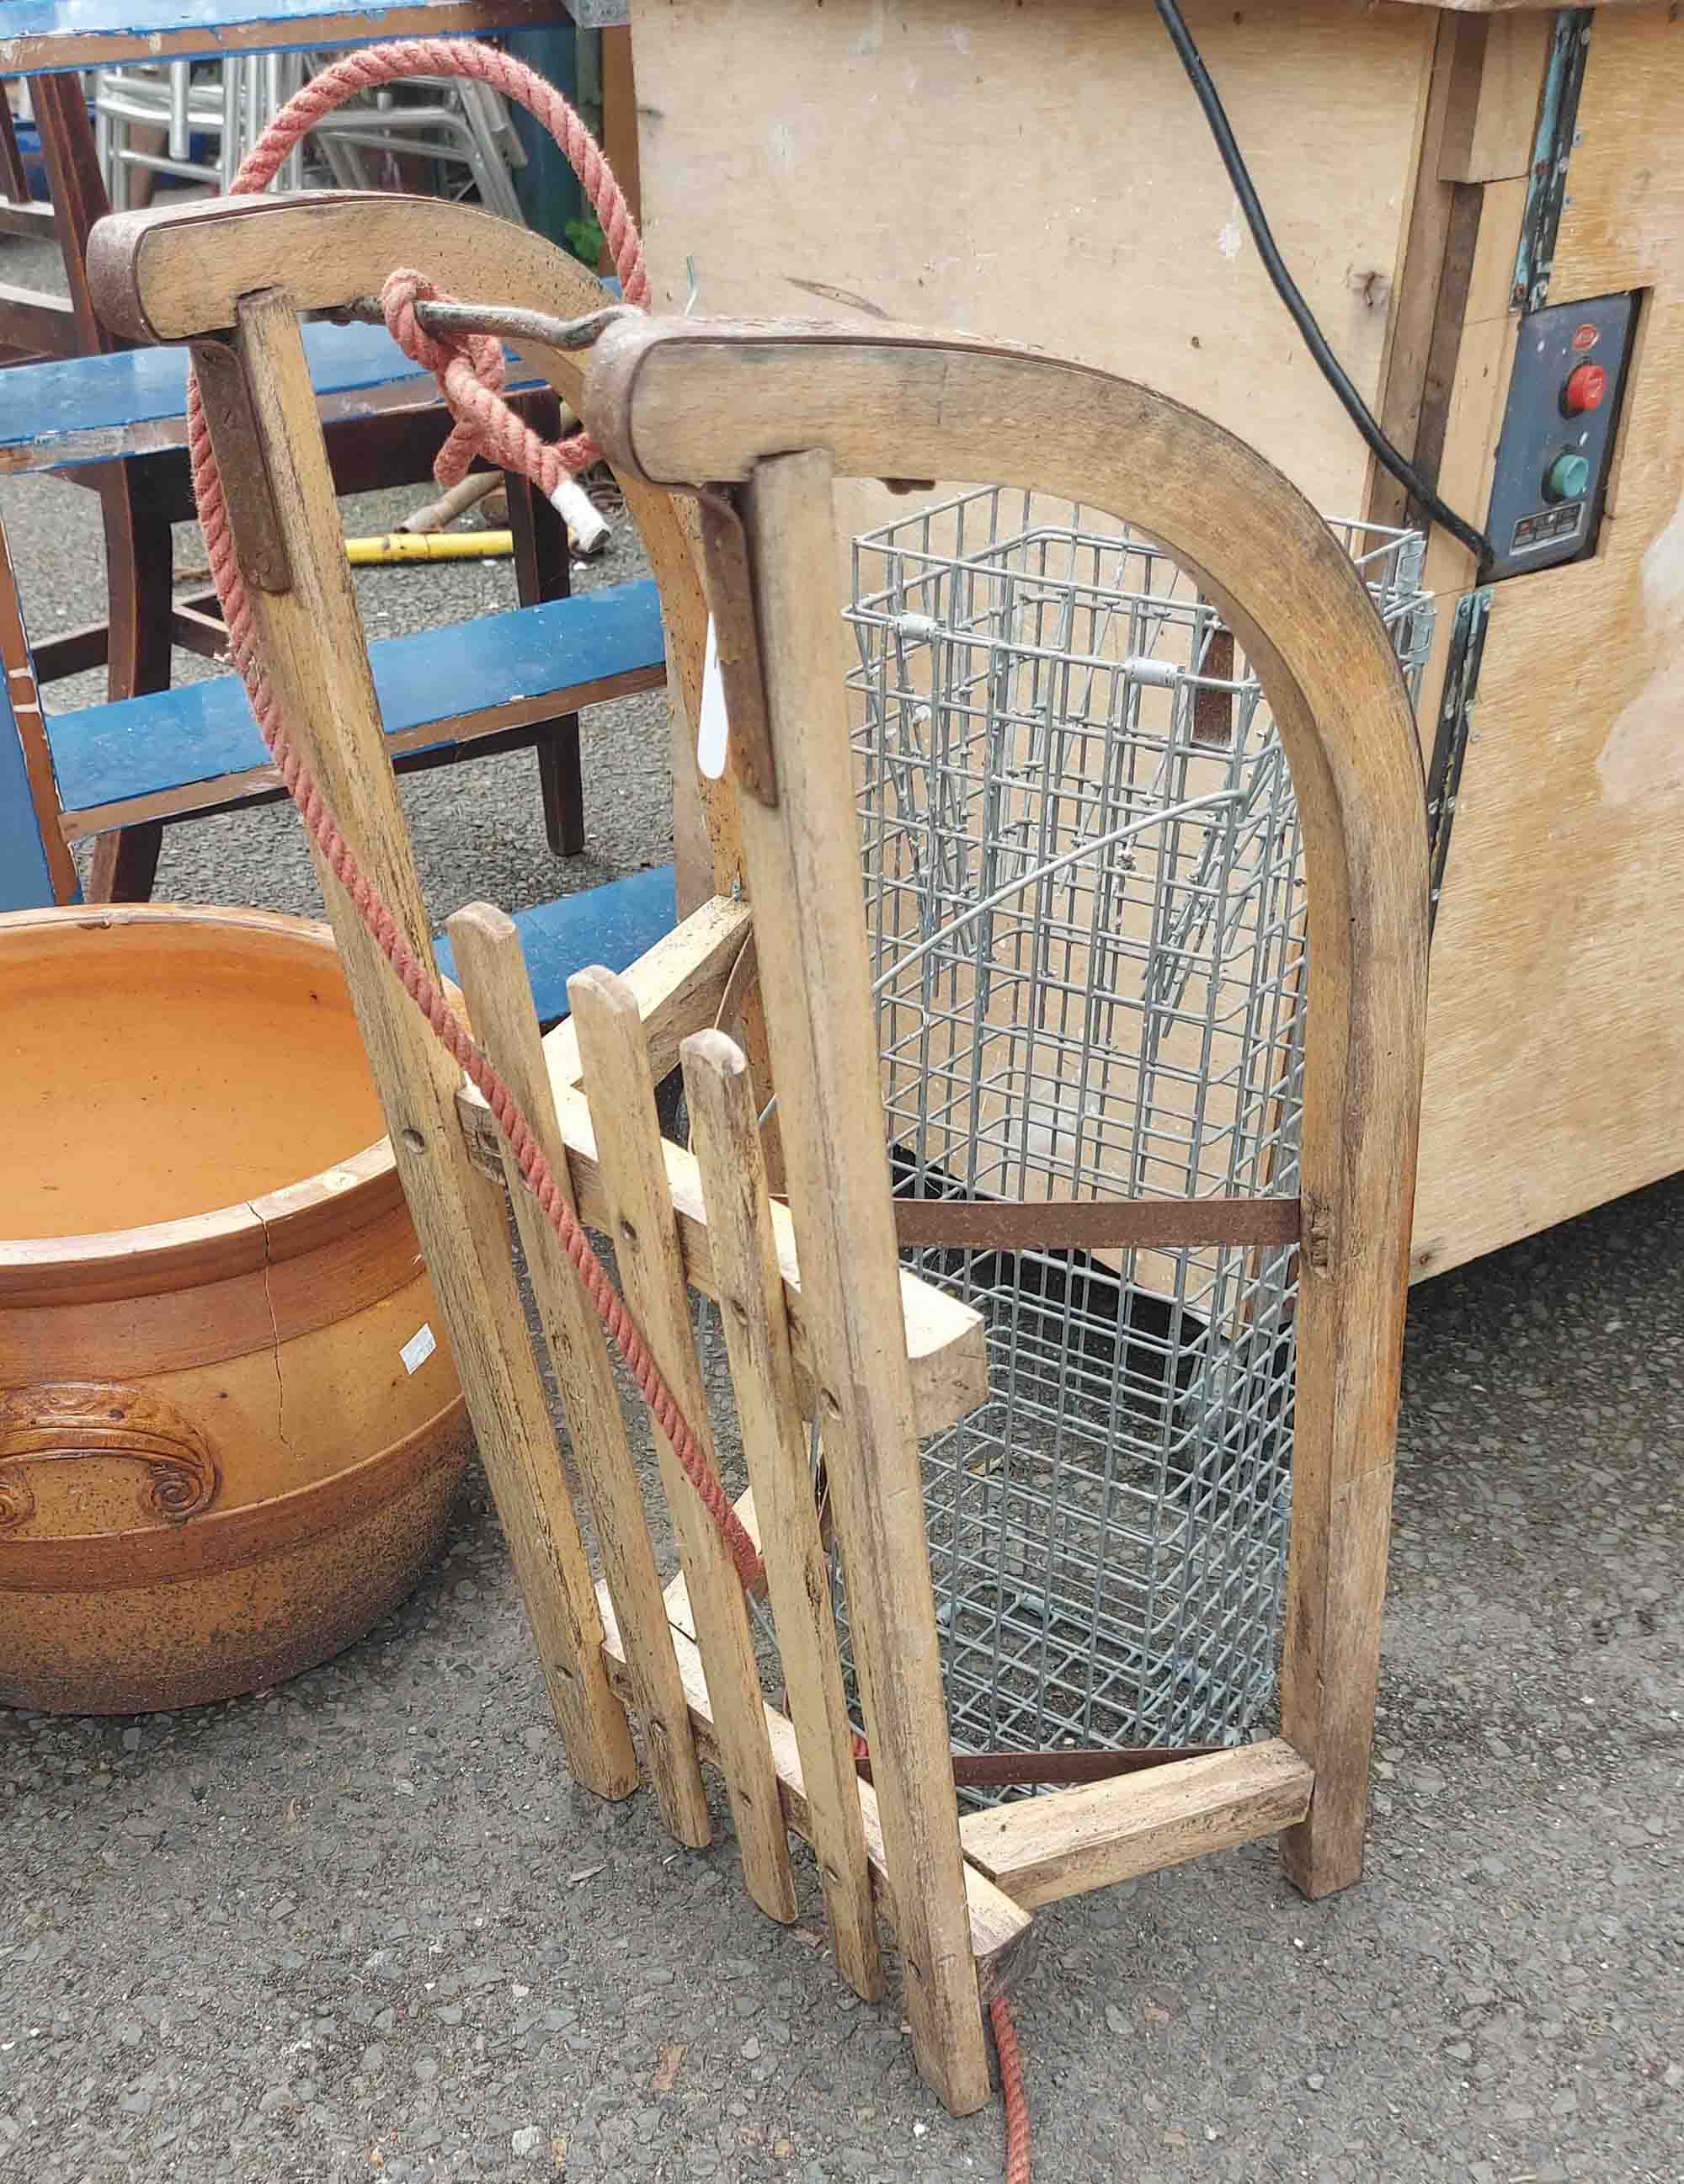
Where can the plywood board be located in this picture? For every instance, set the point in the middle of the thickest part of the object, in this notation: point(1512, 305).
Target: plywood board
point(1041, 172)
point(1623, 225)
point(1563, 903)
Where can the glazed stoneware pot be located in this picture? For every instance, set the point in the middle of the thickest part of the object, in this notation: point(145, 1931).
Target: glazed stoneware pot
point(231, 1432)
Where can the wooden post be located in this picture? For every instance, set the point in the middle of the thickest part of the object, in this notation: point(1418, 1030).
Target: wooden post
point(620, 117)
point(803, 874)
point(315, 654)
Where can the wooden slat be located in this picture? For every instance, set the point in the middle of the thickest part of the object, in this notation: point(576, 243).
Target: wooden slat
point(998, 1928)
point(1065, 1224)
point(619, 115)
point(651, 1269)
point(676, 1598)
point(678, 985)
point(802, 865)
point(722, 1116)
point(311, 641)
point(1414, 303)
point(1038, 1849)
point(944, 1340)
point(492, 968)
point(1492, 121)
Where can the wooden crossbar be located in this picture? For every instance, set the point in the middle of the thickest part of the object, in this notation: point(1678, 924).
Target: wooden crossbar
point(1041, 1848)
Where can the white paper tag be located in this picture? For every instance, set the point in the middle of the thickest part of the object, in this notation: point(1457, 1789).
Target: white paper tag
point(713, 729)
point(418, 1349)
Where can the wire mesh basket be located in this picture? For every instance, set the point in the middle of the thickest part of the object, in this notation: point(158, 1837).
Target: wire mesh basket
point(1081, 857)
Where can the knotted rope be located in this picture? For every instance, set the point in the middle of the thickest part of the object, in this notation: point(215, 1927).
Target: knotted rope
point(468, 370)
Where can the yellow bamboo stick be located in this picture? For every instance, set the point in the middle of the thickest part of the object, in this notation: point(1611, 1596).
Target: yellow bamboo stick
point(428, 546)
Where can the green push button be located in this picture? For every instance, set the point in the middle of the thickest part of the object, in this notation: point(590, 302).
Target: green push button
point(1568, 478)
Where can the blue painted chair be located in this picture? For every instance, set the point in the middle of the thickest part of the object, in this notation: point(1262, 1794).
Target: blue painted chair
point(166, 756)
point(387, 437)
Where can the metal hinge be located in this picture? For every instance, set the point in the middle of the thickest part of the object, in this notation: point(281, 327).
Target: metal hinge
point(1547, 188)
point(1450, 739)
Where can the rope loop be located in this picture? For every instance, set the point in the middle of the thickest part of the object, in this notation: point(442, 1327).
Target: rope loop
point(470, 373)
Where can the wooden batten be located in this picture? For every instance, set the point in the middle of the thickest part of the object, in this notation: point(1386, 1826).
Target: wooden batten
point(1041, 1848)
point(724, 1117)
point(679, 985)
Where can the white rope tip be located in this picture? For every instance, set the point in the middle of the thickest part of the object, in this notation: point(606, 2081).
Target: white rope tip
point(713, 728)
point(587, 528)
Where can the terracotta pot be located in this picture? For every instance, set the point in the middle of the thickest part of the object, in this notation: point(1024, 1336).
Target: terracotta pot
point(230, 1427)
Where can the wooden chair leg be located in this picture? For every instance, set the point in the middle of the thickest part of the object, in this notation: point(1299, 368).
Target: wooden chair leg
point(125, 864)
point(77, 191)
point(14, 183)
point(138, 573)
point(542, 571)
point(562, 783)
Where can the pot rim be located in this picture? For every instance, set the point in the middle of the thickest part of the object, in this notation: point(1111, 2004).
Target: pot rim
point(227, 1240)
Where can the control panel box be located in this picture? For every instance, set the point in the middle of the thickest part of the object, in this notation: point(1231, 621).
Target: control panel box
point(1557, 433)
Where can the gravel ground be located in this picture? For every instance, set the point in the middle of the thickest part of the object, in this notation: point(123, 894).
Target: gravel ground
point(362, 1925)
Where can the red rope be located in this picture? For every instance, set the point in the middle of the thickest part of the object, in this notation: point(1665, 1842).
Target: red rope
point(1013, 2097)
point(480, 414)
point(469, 376)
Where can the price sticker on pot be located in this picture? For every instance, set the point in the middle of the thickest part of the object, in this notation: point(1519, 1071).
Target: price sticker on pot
point(419, 1348)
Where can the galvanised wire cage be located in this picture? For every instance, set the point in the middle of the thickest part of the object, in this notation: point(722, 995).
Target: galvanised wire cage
point(1081, 857)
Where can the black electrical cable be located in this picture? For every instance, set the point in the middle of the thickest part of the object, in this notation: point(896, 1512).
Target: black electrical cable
point(1170, 15)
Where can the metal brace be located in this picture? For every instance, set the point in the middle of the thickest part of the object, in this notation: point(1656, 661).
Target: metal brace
point(1450, 739)
point(1546, 189)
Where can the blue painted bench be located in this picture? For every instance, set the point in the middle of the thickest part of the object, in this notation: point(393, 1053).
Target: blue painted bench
point(196, 748)
point(497, 684)
point(610, 634)
point(475, 686)
point(86, 409)
point(611, 925)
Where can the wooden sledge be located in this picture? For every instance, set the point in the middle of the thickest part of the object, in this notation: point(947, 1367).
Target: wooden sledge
point(820, 1322)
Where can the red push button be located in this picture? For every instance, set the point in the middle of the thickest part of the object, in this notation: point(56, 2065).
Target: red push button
point(1586, 385)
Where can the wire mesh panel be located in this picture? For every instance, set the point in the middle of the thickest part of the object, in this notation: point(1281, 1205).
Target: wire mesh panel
point(1087, 919)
